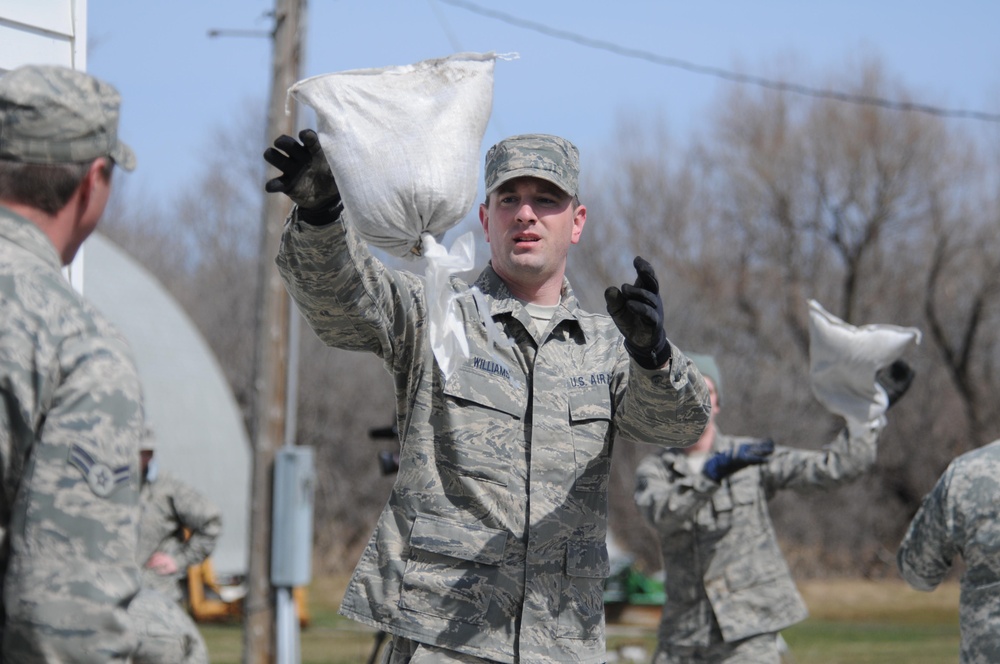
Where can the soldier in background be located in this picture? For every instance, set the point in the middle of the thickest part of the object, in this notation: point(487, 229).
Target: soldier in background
point(178, 527)
point(729, 590)
point(167, 634)
point(492, 544)
point(71, 411)
point(960, 517)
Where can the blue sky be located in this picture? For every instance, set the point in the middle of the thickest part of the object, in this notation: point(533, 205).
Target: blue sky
point(180, 86)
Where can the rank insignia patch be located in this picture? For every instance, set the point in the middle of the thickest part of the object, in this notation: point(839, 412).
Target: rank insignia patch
point(102, 479)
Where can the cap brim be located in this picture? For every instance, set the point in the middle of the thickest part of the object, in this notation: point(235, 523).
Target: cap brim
point(124, 156)
point(529, 173)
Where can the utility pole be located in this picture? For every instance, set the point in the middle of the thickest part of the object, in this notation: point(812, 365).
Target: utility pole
point(271, 388)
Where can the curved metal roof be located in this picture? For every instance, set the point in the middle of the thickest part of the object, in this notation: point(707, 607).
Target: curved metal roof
point(200, 434)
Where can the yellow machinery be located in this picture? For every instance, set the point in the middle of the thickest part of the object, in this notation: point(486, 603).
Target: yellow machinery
point(210, 601)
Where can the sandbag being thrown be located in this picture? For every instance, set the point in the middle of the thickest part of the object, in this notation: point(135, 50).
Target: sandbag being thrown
point(844, 358)
point(403, 143)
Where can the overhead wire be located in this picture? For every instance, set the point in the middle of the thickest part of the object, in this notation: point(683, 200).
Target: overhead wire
point(445, 26)
point(454, 41)
point(718, 72)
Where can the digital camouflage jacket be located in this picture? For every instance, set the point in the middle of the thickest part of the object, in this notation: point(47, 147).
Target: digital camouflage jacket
point(71, 416)
point(726, 578)
point(493, 539)
point(960, 517)
point(170, 506)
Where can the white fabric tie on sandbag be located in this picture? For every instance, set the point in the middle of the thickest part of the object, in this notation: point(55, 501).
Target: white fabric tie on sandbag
point(843, 360)
point(447, 334)
point(447, 329)
point(404, 143)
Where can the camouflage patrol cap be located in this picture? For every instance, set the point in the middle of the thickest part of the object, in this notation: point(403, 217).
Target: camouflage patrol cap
point(709, 369)
point(542, 156)
point(148, 439)
point(56, 115)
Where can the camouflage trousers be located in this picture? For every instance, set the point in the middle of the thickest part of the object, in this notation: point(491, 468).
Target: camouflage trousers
point(400, 650)
point(167, 634)
point(760, 649)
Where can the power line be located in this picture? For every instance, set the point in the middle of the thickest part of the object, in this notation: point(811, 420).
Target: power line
point(726, 74)
point(445, 27)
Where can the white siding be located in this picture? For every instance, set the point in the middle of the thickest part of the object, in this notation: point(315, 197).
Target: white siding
point(43, 32)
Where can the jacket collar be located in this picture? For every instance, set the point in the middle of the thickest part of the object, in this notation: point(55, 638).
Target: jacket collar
point(25, 234)
point(503, 302)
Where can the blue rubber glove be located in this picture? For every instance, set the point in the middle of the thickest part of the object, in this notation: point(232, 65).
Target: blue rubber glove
point(724, 464)
point(637, 310)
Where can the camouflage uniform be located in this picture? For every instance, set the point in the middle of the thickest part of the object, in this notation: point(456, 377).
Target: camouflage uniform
point(726, 579)
point(167, 635)
point(69, 433)
point(492, 543)
point(168, 507)
point(959, 517)
point(70, 419)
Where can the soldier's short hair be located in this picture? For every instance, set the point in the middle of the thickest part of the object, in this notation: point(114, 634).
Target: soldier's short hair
point(47, 187)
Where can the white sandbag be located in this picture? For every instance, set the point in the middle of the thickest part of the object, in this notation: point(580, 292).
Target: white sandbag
point(404, 143)
point(843, 360)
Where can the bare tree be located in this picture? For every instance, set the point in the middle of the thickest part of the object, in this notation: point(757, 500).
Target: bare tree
point(882, 216)
point(791, 198)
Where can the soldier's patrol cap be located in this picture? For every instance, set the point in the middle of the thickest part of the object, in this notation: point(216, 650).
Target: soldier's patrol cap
point(56, 115)
point(148, 440)
point(542, 156)
point(709, 369)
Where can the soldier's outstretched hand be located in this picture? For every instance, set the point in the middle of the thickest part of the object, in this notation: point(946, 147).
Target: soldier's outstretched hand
point(637, 310)
point(305, 177)
point(895, 379)
point(723, 464)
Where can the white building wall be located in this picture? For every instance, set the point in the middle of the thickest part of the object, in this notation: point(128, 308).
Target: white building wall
point(200, 429)
point(50, 32)
point(46, 32)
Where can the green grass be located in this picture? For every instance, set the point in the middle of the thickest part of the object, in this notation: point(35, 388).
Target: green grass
point(875, 623)
point(828, 642)
point(856, 622)
point(328, 639)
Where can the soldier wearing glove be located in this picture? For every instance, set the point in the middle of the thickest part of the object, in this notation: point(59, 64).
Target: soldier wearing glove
point(305, 177)
point(895, 379)
point(723, 464)
point(637, 310)
point(492, 546)
point(729, 590)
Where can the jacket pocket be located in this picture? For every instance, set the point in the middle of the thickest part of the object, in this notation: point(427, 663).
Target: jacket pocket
point(482, 413)
point(452, 569)
point(738, 494)
point(750, 571)
point(581, 613)
point(590, 420)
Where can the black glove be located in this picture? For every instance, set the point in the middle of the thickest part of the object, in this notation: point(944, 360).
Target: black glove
point(638, 312)
point(724, 464)
point(895, 379)
point(305, 177)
